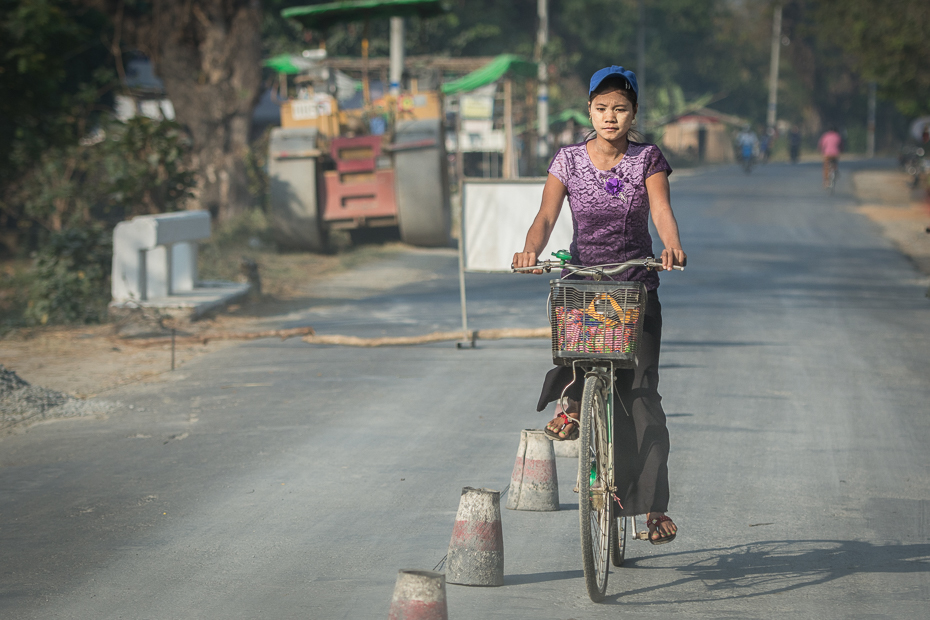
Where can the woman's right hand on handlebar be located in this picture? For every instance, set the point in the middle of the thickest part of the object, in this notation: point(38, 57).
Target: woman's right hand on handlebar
point(525, 259)
point(672, 257)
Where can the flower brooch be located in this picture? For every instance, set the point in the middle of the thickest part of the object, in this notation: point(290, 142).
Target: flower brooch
point(614, 186)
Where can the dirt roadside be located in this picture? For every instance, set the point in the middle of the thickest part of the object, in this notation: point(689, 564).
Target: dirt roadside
point(91, 361)
point(902, 213)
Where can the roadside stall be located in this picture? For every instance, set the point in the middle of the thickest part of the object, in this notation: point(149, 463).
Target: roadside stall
point(475, 95)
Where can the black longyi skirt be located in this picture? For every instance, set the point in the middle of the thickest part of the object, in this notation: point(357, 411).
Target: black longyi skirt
point(641, 441)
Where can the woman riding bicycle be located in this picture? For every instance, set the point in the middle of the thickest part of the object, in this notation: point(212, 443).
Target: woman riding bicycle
point(613, 184)
point(830, 146)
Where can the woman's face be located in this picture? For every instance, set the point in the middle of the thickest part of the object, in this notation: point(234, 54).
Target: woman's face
point(612, 115)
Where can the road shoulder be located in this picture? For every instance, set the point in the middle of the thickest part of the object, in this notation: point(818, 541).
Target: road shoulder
point(902, 214)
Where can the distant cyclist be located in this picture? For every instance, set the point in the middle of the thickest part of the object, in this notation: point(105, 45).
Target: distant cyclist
point(748, 144)
point(830, 146)
point(794, 144)
point(765, 146)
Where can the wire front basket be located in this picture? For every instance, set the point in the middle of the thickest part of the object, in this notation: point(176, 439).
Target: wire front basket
point(596, 321)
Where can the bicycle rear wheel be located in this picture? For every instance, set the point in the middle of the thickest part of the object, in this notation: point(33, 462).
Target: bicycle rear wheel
point(595, 473)
point(618, 541)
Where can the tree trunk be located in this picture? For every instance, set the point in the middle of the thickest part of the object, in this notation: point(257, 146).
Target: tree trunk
point(208, 54)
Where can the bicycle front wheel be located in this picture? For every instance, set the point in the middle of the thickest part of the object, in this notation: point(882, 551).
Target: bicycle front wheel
point(595, 473)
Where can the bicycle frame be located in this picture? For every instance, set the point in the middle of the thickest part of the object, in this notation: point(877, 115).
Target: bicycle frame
point(597, 425)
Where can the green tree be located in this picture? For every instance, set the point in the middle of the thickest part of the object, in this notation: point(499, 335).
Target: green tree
point(886, 41)
point(55, 75)
point(698, 47)
point(833, 91)
point(126, 169)
point(208, 55)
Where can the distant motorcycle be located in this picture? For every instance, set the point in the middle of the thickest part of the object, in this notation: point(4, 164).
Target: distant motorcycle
point(913, 160)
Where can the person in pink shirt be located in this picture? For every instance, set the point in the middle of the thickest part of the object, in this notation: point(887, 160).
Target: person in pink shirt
point(829, 146)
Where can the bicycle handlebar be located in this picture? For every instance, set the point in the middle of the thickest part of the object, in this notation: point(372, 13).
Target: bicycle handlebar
point(608, 269)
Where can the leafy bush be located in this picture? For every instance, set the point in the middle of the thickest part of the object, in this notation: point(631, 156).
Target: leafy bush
point(125, 169)
point(147, 167)
point(71, 277)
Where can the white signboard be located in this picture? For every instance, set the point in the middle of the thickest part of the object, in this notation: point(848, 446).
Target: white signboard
point(496, 217)
point(303, 110)
point(477, 107)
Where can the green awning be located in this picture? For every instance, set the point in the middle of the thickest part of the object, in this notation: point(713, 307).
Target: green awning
point(322, 16)
point(490, 73)
point(573, 115)
point(287, 63)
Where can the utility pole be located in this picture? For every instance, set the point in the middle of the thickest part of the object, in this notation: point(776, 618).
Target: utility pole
point(641, 65)
point(870, 122)
point(773, 70)
point(510, 162)
point(396, 75)
point(542, 76)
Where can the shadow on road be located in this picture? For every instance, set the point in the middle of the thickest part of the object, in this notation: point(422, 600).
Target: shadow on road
point(770, 567)
point(519, 580)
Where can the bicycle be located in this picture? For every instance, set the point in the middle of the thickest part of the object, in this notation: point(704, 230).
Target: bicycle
point(597, 326)
point(747, 159)
point(832, 174)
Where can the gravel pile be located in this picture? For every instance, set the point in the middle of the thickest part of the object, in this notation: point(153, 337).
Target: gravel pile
point(22, 403)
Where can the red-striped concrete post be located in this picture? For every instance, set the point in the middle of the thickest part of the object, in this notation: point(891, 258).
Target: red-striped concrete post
point(476, 552)
point(419, 595)
point(534, 484)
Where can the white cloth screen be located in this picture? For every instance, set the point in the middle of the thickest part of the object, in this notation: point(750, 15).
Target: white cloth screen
point(496, 216)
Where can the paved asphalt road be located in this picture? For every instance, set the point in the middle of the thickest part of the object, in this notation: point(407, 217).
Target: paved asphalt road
point(282, 480)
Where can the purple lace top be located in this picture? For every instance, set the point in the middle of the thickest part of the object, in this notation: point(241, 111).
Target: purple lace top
point(610, 208)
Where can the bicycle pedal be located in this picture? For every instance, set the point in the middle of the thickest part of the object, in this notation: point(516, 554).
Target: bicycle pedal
point(643, 535)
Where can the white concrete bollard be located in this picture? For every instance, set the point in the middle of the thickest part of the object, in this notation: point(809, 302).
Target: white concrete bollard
point(534, 484)
point(567, 449)
point(419, 595)
point(476, 551)
point(156, 255)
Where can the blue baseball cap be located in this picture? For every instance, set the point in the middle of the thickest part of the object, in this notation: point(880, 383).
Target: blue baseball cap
point(606, 72)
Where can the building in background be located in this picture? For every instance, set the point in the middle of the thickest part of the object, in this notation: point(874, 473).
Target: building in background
point(703, 135)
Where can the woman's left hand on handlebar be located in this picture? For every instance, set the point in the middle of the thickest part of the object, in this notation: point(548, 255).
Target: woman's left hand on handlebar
point(672, 257)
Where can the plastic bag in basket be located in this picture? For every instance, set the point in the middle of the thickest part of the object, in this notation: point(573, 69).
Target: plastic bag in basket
point(625, 316)
point(584, 331)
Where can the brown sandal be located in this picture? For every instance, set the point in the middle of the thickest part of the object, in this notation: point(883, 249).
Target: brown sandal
point(653, 525)
point(566, 421)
